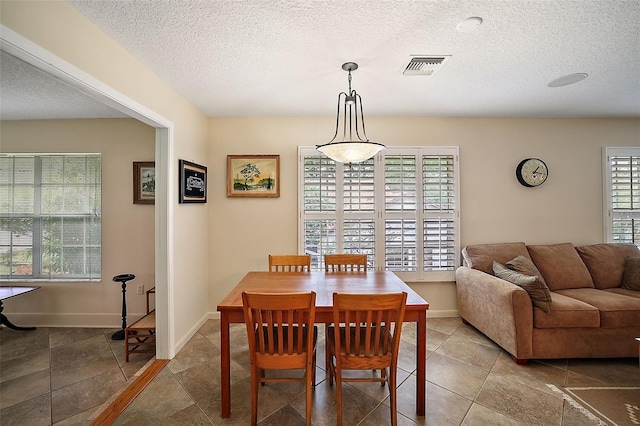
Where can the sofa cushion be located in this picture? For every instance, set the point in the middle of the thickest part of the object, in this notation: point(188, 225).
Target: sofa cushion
point(606, 262)
point(561, 266)
point(566, 312)
point(538, 291)
point(525, 266)
point(616, 310)
point(631, 275)
point(481, 256)
point(624, 291)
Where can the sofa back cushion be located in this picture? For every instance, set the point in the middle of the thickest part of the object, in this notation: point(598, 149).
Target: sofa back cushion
point(561, 266)
point(481, 256)
point(606, 262)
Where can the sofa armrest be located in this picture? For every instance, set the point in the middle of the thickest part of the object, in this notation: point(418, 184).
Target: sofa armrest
point(499, 309)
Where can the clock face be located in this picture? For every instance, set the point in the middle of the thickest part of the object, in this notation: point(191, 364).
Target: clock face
point(532, 172)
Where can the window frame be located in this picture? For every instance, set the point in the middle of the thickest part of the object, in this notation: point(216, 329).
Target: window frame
point(90, 246)
point(608, 211)
point(380, 214)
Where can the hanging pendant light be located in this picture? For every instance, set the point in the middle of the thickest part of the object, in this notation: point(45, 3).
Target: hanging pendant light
point(350, 149)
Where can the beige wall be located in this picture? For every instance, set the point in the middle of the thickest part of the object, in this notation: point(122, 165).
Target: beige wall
point(127, 228)
point(59, 29)
point(494, 206)
point(211, 243)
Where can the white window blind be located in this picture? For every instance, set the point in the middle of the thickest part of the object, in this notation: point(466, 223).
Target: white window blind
point(400, 208)
point(50, 214)
point(622, 195)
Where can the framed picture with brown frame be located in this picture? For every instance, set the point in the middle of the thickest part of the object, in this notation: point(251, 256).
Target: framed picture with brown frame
point(253, 176)
point(193, 182)
point(144, 182)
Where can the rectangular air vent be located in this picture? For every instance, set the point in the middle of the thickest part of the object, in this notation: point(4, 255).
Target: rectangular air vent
point(425, 65)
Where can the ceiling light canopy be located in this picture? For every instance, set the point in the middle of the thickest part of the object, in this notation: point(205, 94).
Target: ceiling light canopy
point(568, 79)
point(469, 24)
point(354, 147)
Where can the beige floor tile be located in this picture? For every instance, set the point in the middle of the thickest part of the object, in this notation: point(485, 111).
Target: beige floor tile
point(33, 412)
point(466, 383)
point(468, 351)
point(482, 416)
point(73, 399)
point(520, 402)
point(534, 374)
point(24, 388)
point(24, 365)
point(192, 416)
point(145, 409)
point(459, 377)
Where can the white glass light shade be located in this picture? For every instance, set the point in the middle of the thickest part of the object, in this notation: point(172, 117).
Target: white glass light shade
point(350, 151)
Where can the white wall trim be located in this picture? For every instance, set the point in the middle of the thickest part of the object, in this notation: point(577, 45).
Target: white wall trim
point(24, 49)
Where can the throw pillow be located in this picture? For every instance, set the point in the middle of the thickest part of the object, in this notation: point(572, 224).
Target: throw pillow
point(525, 266)
point(606, 262)
point(631, 275)
point(538, 291)
point(561, 266)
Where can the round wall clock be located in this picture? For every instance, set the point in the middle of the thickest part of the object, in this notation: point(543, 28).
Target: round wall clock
point(532, 172)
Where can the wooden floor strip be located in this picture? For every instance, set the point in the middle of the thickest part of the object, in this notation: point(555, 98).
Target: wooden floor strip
point(116, 408)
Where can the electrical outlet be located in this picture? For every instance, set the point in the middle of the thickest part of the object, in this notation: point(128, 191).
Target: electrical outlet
point(140, 288)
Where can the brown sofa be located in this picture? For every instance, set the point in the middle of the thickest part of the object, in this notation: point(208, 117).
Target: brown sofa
point(590, 314)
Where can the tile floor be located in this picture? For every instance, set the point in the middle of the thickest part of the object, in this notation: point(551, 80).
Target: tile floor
point(68, 376)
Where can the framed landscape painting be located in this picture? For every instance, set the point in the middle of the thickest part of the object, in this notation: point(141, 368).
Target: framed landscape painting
point(253, 176)
point(144, 182)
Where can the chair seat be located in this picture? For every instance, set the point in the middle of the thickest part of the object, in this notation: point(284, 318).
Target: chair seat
point(286, 361)
point(369, 340)
point(278, 331)
point(379, 356)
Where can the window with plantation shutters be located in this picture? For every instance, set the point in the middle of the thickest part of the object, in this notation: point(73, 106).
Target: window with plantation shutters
point(50, 217)
point(400, 208)
point(622, 195)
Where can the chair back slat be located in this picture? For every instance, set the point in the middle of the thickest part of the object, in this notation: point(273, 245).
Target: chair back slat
point(375, 320)
point(289, 263)
point(279, 322)
point(365, 336)
point(282, 336)
point(345, 262)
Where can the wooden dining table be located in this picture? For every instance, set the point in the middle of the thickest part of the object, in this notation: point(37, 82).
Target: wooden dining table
point(324, 284)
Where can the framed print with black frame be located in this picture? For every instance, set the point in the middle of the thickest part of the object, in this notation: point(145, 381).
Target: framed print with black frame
point(144, 182)
point(193, 182)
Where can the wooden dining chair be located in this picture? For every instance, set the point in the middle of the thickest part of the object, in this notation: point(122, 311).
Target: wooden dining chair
point(365, 336)
point(345, 262)
point(282, 336)
point(289, 263)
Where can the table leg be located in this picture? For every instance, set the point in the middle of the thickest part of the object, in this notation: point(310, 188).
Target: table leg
point(4, 320)
point(421, 359)
point(225, 366)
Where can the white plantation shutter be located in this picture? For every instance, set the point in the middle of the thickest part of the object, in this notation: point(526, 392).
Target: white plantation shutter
point(622, 195)
point(319, 208)
point(439, 204)
point(400, 208)
point(51, 216)
point(400, 211)
point(358, 215)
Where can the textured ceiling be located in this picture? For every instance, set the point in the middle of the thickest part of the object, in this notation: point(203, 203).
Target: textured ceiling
point(284, 57)
point(29, 93)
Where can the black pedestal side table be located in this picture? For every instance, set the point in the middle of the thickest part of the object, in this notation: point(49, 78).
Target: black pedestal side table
point(123, 278)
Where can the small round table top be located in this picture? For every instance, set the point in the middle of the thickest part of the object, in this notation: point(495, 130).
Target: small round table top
point(124, 277)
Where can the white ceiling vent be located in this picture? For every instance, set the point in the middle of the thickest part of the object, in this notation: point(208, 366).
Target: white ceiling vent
point(425, 65)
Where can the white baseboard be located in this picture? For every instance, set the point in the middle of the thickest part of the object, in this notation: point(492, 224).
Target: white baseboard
point(87, 320)
point(180, 344)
